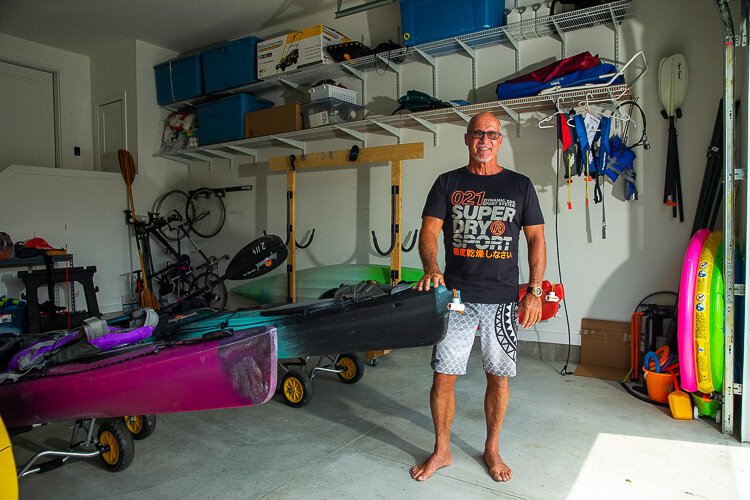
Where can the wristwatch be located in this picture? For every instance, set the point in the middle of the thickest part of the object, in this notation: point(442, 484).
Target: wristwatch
point(536, 291)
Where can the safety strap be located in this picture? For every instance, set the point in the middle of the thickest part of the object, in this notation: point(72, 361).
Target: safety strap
point(604, 145)
point(583, 140)
point(568, 147)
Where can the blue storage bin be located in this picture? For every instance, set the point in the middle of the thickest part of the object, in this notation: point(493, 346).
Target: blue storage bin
point(230, 65)
point(11, 318)
point(224, 120)
point(425, 21)
point(178, 80)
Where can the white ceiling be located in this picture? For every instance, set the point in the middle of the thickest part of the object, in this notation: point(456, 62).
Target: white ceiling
point(83, 26)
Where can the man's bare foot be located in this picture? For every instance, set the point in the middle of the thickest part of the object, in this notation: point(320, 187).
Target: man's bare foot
point(498, 469)
point(423, 471)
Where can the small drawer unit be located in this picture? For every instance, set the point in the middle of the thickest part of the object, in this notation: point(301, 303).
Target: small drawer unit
point(330, 111)
point(178, 80)
point(230, 65)
point(224, 120)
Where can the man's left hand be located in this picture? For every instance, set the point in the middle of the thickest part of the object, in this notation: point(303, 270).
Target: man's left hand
point(530, 310)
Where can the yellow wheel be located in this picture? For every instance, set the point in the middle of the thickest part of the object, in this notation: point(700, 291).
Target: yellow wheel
point(140, 426)
point(109, 440)
point(296, 388)
point(116, 445)
point(351, 368)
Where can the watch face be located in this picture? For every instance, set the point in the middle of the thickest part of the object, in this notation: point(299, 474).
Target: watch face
point(536, 291)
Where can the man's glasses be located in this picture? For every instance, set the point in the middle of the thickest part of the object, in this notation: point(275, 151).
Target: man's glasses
point(492, 135)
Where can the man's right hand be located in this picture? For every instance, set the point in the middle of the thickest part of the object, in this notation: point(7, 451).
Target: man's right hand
point(434, 279)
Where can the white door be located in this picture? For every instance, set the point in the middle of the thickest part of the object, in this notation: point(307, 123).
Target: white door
point(27, 119)
point(110, 134)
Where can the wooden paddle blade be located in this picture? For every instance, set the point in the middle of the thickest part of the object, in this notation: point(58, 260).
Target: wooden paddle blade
point(148, 299)
point(127, 165)
point(257, 258)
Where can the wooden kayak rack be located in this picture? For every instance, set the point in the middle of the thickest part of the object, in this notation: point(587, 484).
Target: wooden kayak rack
point(345, 158)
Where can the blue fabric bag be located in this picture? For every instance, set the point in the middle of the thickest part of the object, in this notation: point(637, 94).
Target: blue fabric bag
point(596, 75)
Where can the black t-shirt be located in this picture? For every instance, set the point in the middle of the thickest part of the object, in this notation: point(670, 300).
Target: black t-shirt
point(482, 220)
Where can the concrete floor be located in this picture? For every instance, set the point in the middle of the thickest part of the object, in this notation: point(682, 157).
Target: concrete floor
point(564, 437)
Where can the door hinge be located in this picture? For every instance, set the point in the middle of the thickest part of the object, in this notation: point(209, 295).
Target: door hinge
point(738, 389)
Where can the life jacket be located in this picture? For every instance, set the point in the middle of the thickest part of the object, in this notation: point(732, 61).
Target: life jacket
point(621, 163)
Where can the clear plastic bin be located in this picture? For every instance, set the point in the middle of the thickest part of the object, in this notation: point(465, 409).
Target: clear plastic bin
point(329, 111)
point(325, 91)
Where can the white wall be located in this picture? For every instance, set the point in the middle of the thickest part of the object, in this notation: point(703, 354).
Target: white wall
point(74, 93)
point(91, 204)
point(604, 278)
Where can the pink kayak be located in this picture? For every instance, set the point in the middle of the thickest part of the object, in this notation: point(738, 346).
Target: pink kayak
point(238, 369)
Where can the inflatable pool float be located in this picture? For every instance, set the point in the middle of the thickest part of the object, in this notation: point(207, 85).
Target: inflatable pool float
point(716, 306)
point(702, 311)
point(685, 332)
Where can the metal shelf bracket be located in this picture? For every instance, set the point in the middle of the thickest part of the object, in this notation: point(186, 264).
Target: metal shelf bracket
point(292, 85)
point(357, 135)
point(291, 142)
point(394, 131)
point(429, 126)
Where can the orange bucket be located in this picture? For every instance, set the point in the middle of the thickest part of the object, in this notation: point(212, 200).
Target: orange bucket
point(658, 385)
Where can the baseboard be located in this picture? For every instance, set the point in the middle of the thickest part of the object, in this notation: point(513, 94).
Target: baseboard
point(549, 352)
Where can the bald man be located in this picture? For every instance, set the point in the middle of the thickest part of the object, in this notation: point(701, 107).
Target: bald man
point(481, 209)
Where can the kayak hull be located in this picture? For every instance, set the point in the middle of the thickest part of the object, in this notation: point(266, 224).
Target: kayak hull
point(237, 370)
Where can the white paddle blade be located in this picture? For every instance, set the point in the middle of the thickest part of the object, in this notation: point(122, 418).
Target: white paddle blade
point(672, 82)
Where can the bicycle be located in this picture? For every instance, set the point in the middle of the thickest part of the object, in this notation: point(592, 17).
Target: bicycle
point(179, 277)
point(204, 208)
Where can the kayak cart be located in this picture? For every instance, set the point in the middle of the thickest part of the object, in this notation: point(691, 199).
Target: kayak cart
point(296, 385)
point(112, 443)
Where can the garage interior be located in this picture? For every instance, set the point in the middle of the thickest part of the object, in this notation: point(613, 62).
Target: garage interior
point(571, 430)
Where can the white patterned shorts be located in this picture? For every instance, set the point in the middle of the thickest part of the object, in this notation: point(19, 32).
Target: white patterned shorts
point(497, 324)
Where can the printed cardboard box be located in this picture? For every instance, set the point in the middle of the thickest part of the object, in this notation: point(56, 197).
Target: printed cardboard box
point(296, 50)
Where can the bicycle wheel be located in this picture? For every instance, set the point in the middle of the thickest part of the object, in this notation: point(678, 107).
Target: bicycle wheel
point(206, 212)
point(216, 295)
point(172, 205)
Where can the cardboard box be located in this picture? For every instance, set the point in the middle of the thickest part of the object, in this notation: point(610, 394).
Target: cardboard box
point(276, 120)
point(605, 349)
point(297, 49)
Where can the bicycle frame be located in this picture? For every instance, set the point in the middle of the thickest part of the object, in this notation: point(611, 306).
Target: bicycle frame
point(144, 231)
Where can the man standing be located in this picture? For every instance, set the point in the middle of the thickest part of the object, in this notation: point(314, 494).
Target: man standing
point(481, 209)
